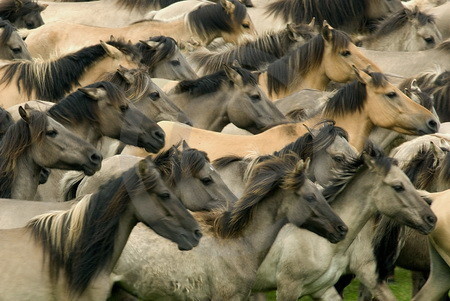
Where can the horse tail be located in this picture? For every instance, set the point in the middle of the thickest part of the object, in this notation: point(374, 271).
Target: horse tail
point(69, 184)
point(387, 245)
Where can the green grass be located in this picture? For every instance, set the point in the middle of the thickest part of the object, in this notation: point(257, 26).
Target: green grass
point(401, 288)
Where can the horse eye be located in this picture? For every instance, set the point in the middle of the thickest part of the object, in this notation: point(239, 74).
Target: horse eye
point(398, 188)
point(207, 181)
point(175, 62)
point(164, 196)
point(429, 40)
point(51, 134)
point(16, 50)
point(245, 25)
point(255, 98)
point(338, 159)
point(391, 94)
point(124, 108)
point(345, 53)
point(311, 198)
point(154, 95)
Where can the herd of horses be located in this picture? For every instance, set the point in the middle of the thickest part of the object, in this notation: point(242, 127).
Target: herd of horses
point(217, 150)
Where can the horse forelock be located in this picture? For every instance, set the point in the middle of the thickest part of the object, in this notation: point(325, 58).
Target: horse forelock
point(207, 20)
point(266, 177)
point(80, 241)
point(151, 56)
point(8, 29)
point(11, 10)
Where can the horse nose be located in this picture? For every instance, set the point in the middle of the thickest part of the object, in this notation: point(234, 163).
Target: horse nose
point(433, 125)
point(342, 229)
point(198, 234)
point(431, 219)
point(159, 135)
point(96, 158)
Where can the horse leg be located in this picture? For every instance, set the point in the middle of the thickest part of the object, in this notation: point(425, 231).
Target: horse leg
point(438, 283)
point(343, 282)
point(418, 280)
point(258, 297)
point(364, 293)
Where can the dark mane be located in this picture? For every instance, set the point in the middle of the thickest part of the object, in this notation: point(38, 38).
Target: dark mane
point(278, 172)
point(253, 55)
point(135, 91)
point(212, 83)
point(425, 99)
point(295, 65)
point(209, 19)
point(80, 242)
point(151, 56)
point(11, 10)
point(172, 163)
point(8, 29)
point(6, 121)
point(15, 143)
point(352, 168)
point(400, 19)
point(336, 12)
point(144, 4)
point(52, 80)
point(351, 97)
point(78, 107)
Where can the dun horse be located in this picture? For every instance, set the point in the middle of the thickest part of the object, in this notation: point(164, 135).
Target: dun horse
point(70, 254)
point(22, 13)
point(12, 46)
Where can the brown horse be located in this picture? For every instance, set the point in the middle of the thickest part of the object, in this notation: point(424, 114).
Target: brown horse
point(328, 56)
point(228, 20)
point(52, 80)
point(12, 46)
point(357, 107)
point(70, 254)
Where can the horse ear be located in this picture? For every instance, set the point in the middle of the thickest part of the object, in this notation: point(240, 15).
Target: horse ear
point(143, 167)
point(228, 6)
point(110, 50)
point(415, 86)
point(307, 163)
point(24, 115)
point(184, 145)
point(234, 76)
point(292, 33)
point(438, 152)
point(151, 44)
point(236, 64)
point(42, 7)
point(93, 93)
point(361, 76)
point(18, 3)
point(327, 32)
point(126, 75)
point(313, 22)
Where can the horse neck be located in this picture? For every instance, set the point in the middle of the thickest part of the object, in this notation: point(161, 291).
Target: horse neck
point(357, 125)
point(392, 41)
point(278, 137)
point(26, 178)
point(215, 118)
point(355, 206)
point(262, 229)
point(97, 70)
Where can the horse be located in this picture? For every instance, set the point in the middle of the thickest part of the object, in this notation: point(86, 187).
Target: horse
point(230, 95)
point(314, 264)
point(228, 20)
point(437, 84)
point(423, 5)
point(6, 121)
point(409, 64)
point(12, 46)
point(351, 15)
point(437, 285)
point(256, 54)
point(22, 13)
point(35, 142)
point(278, 192)
point(164, 60)
point(405, 30)
point(440, 12)
point(70, 254)
point(52, 80)
point(357, 108)
point(146, 95)
point(328, 56)
point(326, 146)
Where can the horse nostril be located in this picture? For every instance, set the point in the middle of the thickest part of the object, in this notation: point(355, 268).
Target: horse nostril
point(431, 219)
point(342, 229)
point(159, 135)
point(433, 125)
point(198, 234)
point(96, 158)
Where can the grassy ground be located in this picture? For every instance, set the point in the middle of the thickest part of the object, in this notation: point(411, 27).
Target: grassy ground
point(401, 288)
